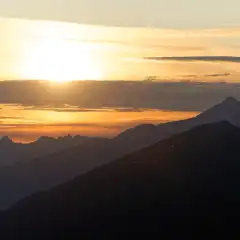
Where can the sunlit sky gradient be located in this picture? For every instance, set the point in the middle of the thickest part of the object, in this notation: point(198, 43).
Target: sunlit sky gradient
point(61, 51)
point(26, 124)
point(65, 40)
point(68, 51)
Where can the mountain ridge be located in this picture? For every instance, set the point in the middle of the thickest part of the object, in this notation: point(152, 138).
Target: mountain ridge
point(42, 173)
point(12, 152)
point(189, 180)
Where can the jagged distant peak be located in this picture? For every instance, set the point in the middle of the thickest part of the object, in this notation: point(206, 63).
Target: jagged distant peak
point(224, 110)
point(231, 100)
point(6, 139)
point(44, 138)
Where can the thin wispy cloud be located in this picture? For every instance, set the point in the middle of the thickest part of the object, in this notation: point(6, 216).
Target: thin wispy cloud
point(83, 110)
point(10, 117)
point(80, 109)
point(212, 75)
point(231, 59)
point(141, 43)
point(218, 75)
point(65, 109)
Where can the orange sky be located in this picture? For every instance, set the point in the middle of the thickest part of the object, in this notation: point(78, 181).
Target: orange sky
point(61, 51)
point(27, 125)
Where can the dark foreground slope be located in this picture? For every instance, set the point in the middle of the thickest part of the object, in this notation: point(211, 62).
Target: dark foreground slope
point(188, 182)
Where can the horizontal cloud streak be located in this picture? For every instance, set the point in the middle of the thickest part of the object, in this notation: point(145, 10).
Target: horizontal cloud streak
point(140, 43)
point(218, 75)
point(10, 117)
point(232, 59)
point(212, 75)
point(115, 96)
point(76, 110)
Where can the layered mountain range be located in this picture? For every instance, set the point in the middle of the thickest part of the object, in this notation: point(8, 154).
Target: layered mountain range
point(71, 157)
point(179, 175)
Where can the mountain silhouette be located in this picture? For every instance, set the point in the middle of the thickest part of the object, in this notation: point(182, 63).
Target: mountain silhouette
point(228, 110)
point(12, 152)
point(27, 177)
point(189, 182)
point(44, 172)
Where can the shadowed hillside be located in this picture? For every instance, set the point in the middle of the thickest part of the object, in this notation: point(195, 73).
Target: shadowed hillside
point(188, 182)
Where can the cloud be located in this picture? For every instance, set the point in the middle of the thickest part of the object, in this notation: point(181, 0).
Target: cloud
point(120, 95)
point(232, 59)
point(10, 117)
point(207, 75)
point(139, 43)
point(129, 109)
point(179, 47)
point(190, 75)
point(76, 110)
point(65, 109)
point(218, 75)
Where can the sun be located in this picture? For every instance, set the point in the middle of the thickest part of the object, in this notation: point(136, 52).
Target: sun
point(61, 61)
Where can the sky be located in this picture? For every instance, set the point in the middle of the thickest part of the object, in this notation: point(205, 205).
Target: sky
point(119, 40)
point(60, 51)
point(176, 42)
point(154, 13)
point(31, 109)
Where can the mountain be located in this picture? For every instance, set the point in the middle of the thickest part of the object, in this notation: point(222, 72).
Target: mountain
point(42, 173)
point(187, 183)
point(27, 177)
point(12, 152)
point(228, 110)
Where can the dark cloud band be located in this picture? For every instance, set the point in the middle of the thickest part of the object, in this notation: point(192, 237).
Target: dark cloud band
point(232, 59)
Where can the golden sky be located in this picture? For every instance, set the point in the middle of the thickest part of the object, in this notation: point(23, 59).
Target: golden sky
point(62, 52)
point(24, 124)
point(67, 51)
point(187, 41)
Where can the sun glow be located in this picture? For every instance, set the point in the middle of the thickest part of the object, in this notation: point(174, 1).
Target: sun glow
point(61, 61)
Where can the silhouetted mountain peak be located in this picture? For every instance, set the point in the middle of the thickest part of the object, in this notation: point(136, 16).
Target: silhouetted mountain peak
point(45, 138)
point(6, 140)
point(229, 104)
point(65, 138)
point(230, 101)
point(225, 110)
